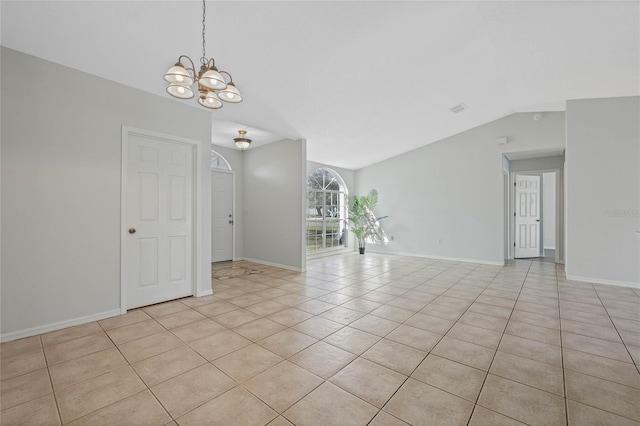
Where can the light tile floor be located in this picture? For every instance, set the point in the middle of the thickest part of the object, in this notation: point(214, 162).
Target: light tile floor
point(357, 340)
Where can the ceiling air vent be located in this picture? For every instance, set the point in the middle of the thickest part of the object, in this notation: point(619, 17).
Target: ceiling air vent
point(458, 108)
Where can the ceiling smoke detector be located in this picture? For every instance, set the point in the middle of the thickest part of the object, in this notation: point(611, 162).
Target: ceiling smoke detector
point(458, 108)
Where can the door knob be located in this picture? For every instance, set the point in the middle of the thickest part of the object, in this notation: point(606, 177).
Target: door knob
point(231, 222)
point(132, 230)
point(537, 220)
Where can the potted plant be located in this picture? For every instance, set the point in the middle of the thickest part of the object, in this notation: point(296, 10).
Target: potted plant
point(364, 223)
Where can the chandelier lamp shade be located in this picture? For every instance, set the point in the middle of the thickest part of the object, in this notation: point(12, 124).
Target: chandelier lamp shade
point(242, 142)
point(213, 86)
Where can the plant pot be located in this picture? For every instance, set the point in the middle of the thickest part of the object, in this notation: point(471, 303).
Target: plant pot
point(361, 249)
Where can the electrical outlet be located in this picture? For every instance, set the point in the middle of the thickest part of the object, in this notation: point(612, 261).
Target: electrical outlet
point(393, 238)
point(440, 241)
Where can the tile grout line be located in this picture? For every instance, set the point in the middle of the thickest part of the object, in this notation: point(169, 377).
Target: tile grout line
point(135, 372)
point(615, 328)
point(498, 347)
point(439, 340)
point(425, 357)
point(359, 356)
point(564, 374)
point(583, 403)
point(53, 389)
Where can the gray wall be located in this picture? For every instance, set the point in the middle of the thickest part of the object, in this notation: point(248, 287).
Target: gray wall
point(453, 190)
point(274, 203)
point(542, 163)
point(61, 169)
point(603, 190)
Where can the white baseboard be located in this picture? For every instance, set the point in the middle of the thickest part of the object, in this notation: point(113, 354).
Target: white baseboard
point(204, 293)
point(605, 282)
point(276, 265)
point(33, 331)
point(428, 256)
point(328, 253)
point(550, 248)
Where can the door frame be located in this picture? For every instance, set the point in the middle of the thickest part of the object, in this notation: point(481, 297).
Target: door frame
point(233, 208)
point(196, 208)
point(558, 199)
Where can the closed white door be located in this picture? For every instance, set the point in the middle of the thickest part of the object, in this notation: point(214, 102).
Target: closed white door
point(221, 216)
point(527, 216)
point(158, 227)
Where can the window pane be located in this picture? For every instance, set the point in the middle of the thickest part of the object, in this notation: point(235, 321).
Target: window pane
point(218, 162)
point(326, 211)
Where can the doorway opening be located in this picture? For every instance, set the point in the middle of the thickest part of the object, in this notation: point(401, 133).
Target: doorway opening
point(159, 237)
point(534, 215)
point(534, 207)
point(549, 216)
point(222, 209)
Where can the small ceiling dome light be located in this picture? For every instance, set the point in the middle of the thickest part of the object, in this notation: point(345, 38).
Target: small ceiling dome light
point(242, 142)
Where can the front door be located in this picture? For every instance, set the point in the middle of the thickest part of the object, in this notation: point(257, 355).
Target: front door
point(527, 216)
point(158, 261)
point(221, 216)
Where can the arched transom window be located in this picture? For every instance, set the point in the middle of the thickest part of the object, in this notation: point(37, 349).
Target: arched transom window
point(326, 211)
point(219, 162)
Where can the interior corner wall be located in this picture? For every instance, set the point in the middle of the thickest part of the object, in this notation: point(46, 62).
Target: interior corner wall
point(61, 172)
point(274, 203)
point(603, 190)
point(235, 158)
point(446, 200)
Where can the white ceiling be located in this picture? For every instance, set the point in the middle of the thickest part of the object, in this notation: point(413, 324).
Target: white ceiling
point(361, 81)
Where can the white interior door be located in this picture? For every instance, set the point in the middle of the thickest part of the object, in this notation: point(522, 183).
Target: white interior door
point(527, 216)
point(158, 258)
point(221, 216)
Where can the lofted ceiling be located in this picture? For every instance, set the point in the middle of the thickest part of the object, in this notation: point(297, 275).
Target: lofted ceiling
point(360, 81)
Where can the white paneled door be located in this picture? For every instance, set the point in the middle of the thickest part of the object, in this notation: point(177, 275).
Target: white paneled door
point(527, 216)
point(158, 228)
point(221, 216)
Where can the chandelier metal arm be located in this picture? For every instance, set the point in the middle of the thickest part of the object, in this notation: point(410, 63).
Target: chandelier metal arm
point(229, 75)
point(193, 67)
point(211, 63)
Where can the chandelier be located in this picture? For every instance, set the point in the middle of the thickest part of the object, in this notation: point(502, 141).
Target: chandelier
point(242, 142)
point(212, 86)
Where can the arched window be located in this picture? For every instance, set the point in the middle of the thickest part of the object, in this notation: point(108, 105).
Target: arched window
point(219, 162)
point(326, 210)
